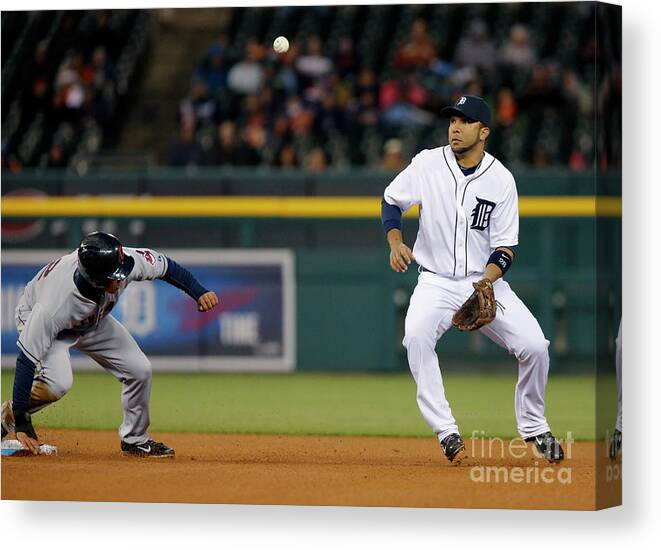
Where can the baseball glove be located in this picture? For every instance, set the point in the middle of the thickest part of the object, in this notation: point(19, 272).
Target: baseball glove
point(479, 309)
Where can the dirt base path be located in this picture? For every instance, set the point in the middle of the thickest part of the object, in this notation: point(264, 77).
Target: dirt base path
point(311, 470)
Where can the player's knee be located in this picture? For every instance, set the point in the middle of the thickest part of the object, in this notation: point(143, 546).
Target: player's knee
point(141, 369)
point(417, 337)
point(51, 391)
point(534, 347)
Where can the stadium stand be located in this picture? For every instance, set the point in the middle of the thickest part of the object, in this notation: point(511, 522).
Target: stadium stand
point(63, 98)
point(355, 78)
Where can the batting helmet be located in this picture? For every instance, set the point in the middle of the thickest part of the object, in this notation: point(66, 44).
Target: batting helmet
point(101, 258)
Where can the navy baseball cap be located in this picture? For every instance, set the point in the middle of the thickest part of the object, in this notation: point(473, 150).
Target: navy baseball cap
point(471, 107)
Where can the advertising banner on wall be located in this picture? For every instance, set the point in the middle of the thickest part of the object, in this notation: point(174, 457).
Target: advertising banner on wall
point(252, 330)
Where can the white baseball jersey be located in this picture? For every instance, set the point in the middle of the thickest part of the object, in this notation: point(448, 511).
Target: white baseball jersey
point(52, 305)
point(462, 218)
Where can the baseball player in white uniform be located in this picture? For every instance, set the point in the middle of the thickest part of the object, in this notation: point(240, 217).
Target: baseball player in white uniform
point(468, 231)
point(67, 305)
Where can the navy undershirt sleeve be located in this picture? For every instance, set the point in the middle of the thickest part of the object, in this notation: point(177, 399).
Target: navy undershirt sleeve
point(183, 279)
point(23, 379)
point(391, 216)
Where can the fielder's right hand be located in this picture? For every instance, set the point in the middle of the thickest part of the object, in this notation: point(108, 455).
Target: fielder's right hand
point(400, 257)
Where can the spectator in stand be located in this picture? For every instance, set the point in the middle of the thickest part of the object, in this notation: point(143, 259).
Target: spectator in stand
point(100, 96)
point(476, 49)
point(475, 87)
point(212, 70)
point(280, 134)
point(286, 79)
point(103, 72)
point(101, 34)
point(576, 94)
point(347, 60)
point(252, 112)
point(342, 91)
point(404, 89)
point(541, 157)
point(38, 99)
point(313, 95)
point(402, 101)
point(287, 157)
point(580, 155)
point(98, 106)
point(67, 72)
point(200, 107)
point(226, 150)
point(542, 92)
point(268, 104)
point(506, 107)
point(419, 50)
point(330, 118)
point(392, 156)
point(184, 150)
point(71, 95)
point(367, 112)
point(73, 79)
point(315, 161)
point(249, 152)
point(41, 67)
point(84, 70)
point(301, 118)
point(390, 93)
point(367, 82)
point(313, 64)
point(10, 162)
point(56, 158)
point(518, 51)
point(247, 76)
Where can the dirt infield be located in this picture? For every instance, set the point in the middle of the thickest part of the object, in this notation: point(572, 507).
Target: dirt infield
point(312, 470)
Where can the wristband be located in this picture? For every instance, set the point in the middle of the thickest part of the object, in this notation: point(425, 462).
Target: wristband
point(501, 259)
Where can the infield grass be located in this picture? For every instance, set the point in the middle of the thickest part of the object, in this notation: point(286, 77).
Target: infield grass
point(302, 403)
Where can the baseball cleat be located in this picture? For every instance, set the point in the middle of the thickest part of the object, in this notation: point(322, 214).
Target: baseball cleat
point(148, 449)
point(8, 425)
point(616, 444)
point(452, 445)
point(548, 446)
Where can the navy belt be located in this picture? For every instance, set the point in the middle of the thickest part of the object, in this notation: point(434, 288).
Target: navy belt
point(422, 268)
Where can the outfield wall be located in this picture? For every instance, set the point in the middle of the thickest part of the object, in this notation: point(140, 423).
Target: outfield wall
point(349, 305)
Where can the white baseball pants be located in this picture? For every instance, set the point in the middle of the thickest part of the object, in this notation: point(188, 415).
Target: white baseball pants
point(433, 303)
point(112, 347)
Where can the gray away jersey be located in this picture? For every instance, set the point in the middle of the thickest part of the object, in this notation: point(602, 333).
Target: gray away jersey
point(52, 306)
point(462, 218)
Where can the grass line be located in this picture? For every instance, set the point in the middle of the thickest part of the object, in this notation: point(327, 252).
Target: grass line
point(319, 404)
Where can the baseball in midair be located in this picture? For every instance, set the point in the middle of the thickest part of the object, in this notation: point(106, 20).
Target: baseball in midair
point(281, 44)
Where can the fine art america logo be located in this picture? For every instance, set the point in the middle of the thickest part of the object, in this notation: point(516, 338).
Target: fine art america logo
point(504, 452)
